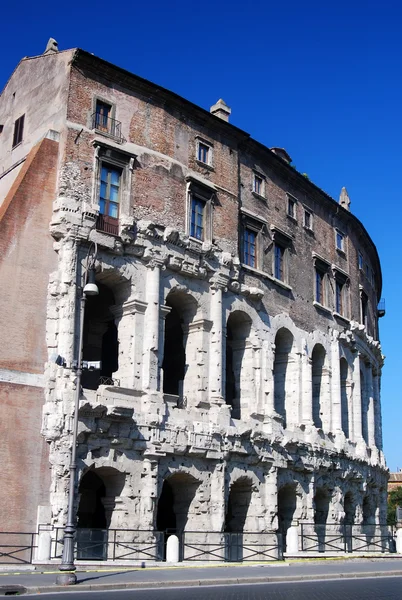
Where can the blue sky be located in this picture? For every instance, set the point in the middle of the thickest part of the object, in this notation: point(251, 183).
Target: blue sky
point(321, 79)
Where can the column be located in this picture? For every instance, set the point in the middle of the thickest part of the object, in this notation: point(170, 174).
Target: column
point(150, 371)
point(307, 387)
point(129, 320)
point(370, 407)
point(216, 379)
point(196, 377)
point(336, 387)
point(357, 401)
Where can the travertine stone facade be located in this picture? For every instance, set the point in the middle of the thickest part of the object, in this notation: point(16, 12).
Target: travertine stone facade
point(240, 352)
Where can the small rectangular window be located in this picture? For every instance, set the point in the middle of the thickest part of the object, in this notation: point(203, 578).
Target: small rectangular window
point(340, 240)
point(197, 222)
point(258, 185)
point(360, 260)
point(339, 297)
point(204, 153)
point(18, 131)
point(308, 220)
point(291, 208)
point(364, 309)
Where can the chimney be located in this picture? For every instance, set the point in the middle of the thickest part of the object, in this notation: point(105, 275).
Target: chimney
point(221, 110)
point(344, 199)
point(52, 46)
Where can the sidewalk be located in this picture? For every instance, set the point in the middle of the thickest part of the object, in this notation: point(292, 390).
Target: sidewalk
point(194, 575)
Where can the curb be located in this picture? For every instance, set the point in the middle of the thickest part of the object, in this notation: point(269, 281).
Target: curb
point(207, 582)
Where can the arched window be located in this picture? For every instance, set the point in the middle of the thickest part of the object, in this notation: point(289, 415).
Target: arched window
point(345, 391)
point(320, 384)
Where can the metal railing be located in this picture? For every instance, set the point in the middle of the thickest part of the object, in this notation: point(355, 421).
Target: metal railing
point(231, 547)
point(107, 125)
point(17, 547)
point(103, 223)
point(335, 537)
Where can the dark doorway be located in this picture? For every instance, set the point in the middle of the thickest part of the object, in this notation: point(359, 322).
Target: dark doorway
point(237, 390)
point(344, 373)
point(283, 349)
point(318, 361)
point(166, 517)
point(238, 505)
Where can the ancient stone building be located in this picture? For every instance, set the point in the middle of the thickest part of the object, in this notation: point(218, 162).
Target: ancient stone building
point(234, 341)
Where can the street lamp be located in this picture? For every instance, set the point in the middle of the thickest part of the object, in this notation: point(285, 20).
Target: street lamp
point(67, 566)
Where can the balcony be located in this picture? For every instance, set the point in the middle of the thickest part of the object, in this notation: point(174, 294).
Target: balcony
point(107, 224)
point(107, 126)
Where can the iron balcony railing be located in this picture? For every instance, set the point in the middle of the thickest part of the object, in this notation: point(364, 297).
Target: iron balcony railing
point(107, 125)
point(107, 224)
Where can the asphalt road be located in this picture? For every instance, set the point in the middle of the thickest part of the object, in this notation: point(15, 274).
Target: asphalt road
point(387, 588)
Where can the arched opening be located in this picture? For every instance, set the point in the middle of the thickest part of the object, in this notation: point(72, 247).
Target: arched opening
point(176, 356)
point(321, 504)
point(318, 378)
point(283, 376)
point(364, 405)
point(238, 505)
point(91, 510)
point(238, 382)
point(98, 490)
point(368, 511)
point(100, 341)
point(344, 376)
point(174, 505)
point(286, 509)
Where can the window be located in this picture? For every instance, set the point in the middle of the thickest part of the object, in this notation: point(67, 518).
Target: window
point(339, 240)
point(199, 210)
point(360, 261)
point(197, 225)
point(341, 293)
point(204, 153)
point(250, 247)
point(364, 308)
point(291, 207)
point(281, 250)
point(321, 284)
point(103, 113)
point(308, 219)
point(109, 198)
point(18, 131)
point(367, 271)
point(279, 259)
point(258, 185)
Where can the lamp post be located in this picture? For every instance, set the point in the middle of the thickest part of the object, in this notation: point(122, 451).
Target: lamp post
point(67, 566)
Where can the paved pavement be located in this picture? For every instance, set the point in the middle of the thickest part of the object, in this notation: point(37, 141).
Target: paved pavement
point(348, 589)
point(162, 576)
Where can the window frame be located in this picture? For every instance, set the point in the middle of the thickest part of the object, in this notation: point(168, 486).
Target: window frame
point(257, 227)
point(282, 244)
point(339, 235)
point(200, 142)
point(258, 177)
point(360, 261)
point(110, 115)
point(291, 206)
point(108, 218)
point(308, 212)
point(18, 134)
point(206, 196)
point(341, 293)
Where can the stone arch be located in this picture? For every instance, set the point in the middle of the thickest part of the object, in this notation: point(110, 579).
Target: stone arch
point(321, 387)
point(175, 503)
point(177, 366)
point(346, 387)
point(239, 372)
point(322, 500)
point(287, 503)
point(368, 509)
point(286, 374)
point(238, 504)
point(100, 338)
point(98, 490)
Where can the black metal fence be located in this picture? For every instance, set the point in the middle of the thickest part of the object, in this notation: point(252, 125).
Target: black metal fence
point(231, 547)
point(17, 547)
point(334, 537)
